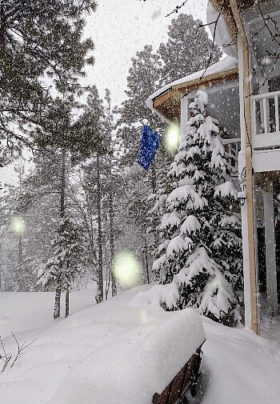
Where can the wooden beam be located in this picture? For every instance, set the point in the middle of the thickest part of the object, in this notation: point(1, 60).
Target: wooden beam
point(163, 102)
point(213, 78)
point(163, 98)
point(249, 169)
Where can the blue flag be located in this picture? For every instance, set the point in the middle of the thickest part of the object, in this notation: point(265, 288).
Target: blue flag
point(149, 144)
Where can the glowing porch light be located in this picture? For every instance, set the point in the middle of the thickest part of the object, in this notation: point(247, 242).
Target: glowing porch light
point(172, 138)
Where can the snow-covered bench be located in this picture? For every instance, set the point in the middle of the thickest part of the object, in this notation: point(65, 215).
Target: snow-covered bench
point(184, 380)
point(147, 350)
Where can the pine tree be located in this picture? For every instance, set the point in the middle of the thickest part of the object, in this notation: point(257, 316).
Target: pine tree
point(38, 40)
point(112, 187)
point(188, 49)
point(66, 263)
point(142, 81)
point(70, 141)
point(92, 122)
point(200, 257)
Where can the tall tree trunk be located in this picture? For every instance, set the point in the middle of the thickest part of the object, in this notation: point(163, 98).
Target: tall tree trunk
point(99, 296)
point(112, 242)
point(20, 250)
point(154, 189)
point(56, 311)
point(67, 303)
point(147, 261)
point(63, 181)
point(3, 27)
point(62, 212)
point(20, 246)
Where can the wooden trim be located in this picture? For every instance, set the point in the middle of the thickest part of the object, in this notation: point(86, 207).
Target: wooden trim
point(249, 168)
point(163, 98)
point(211, 78)
point(178, 90)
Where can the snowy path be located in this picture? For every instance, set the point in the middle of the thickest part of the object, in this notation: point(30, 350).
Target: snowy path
point(238, 367)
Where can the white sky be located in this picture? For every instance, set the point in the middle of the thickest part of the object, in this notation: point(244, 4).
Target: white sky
point(119, 28)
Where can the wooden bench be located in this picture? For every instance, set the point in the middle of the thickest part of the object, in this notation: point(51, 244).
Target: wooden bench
point(185, 379)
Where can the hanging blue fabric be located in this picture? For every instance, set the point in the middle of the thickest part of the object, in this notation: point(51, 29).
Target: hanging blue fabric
point(149, 144)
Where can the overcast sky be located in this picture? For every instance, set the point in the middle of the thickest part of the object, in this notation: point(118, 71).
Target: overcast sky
point(119, 28)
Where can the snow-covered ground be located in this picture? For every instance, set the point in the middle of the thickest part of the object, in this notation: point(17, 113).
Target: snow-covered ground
point(73, 360)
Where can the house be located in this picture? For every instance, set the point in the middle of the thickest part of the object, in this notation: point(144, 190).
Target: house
point(244, 94)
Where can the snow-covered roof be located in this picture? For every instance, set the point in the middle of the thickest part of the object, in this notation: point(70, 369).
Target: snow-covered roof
point(225, 69)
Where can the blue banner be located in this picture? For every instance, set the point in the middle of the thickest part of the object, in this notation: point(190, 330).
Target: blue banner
point(149, 144)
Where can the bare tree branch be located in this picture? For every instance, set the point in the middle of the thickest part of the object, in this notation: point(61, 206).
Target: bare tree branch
point(177, 8)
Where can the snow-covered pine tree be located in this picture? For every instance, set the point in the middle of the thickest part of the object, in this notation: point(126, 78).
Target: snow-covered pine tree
point(188, 49)
point(201, 255)
point(66, 264)
point(142, 81)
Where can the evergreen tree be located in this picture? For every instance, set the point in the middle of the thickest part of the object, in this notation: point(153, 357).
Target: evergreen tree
point(66, 263)
point(41, 48)
point(92, 121)
point(201, 255)
point(188, 49)
point(112, 187)
point(69, 140)
point(142, 81)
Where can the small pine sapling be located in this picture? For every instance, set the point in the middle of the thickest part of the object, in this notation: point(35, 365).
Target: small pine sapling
point(66, 264)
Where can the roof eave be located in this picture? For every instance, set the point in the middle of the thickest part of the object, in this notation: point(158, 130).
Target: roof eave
point(176, 91)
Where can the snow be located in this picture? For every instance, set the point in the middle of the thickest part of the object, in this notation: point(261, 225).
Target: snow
point(190, 225)
point(217, 294)
point(239, 367)
point(225, 189)
point(225, 64)
point(200, 101)
point(178, 244)
point(116, 352)
point(129, 344)
point(186, 193)
point(223, 37)
point(170, 220)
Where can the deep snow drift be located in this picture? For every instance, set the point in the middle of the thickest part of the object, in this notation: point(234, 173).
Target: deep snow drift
point(74, 361)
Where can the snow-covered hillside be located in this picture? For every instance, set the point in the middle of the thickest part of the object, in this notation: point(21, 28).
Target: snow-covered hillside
point(64, 364)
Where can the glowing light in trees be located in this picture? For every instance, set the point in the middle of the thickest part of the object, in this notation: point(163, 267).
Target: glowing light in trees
point(18, 225)
point(127, 269)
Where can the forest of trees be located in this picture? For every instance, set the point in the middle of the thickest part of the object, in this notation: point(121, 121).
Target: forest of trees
point(80, 196)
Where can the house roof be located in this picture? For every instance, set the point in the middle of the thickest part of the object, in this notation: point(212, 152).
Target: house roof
point(166, 101)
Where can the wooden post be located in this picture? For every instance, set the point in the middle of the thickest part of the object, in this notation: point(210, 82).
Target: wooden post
point(246, 130)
